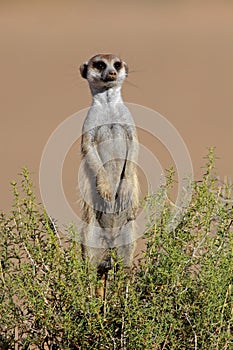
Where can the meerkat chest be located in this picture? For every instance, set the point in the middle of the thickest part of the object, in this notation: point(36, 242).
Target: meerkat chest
point(110, 132)
point(111, 141)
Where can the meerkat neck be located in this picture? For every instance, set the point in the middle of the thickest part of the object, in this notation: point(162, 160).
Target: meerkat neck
point(108, 96)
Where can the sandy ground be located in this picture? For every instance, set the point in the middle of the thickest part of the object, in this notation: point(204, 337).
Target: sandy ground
point(180, 55)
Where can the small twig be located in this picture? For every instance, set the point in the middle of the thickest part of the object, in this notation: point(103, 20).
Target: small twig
point(123, 333)
point(195, 249)
point(166, 339)
point(2, 274)
point(195, 335)
point(114, 343)
point(16, 338)
point(56, 232)
point(228, 292)
point(105, 293)
point(24, 245)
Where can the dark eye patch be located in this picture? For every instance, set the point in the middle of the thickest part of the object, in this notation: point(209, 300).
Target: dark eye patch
point(117, 65)
point(100, 65)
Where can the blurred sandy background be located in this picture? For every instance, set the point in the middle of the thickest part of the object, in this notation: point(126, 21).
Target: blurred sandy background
point(180, 54)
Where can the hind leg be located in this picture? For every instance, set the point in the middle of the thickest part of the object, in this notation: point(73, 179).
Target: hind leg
point(100, 259)
point(97, 256)
point(127, 243)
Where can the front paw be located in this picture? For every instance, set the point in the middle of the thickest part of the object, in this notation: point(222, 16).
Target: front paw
point(125, 193)
point(104, 188)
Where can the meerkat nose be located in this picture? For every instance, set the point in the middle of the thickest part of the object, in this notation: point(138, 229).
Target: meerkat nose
point(112, 75)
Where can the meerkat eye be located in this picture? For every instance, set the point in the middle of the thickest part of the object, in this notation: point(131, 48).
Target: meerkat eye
point(117, 65)
point(100, 65)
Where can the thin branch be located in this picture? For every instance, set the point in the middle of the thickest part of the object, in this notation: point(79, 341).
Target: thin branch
point(195, 335)
point(166, 339)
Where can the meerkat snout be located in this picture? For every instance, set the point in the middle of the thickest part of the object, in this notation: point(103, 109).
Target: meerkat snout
point(111, 75)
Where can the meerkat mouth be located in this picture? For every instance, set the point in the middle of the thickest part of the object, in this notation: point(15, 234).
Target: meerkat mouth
point(109, 79)
point(108, 83)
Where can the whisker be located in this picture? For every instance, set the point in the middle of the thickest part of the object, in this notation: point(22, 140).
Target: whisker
point(132, 84)
point(136, 71)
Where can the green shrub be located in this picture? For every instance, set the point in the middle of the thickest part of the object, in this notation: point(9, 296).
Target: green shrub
point(179, 295)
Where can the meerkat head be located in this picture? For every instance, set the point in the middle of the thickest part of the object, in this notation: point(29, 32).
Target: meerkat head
point(104, 71)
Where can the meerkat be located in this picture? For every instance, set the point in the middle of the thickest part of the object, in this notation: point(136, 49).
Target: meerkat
point(109, 183)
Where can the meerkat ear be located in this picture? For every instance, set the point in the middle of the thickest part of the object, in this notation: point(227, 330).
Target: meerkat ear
point(126, 69)
point(83, 70)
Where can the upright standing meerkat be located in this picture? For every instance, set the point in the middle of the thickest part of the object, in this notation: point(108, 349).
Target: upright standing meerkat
point(109, 182)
